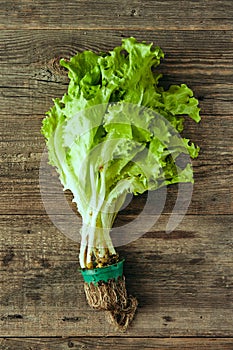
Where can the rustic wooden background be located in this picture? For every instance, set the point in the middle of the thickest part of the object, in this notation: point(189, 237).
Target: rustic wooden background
point(184, 281)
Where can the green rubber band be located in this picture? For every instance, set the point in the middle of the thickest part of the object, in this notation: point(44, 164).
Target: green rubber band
point(103, 273)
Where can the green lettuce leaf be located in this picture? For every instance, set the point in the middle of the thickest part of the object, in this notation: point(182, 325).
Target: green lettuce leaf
point(116, 130)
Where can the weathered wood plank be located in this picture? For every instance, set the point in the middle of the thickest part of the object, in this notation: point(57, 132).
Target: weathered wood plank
point(187, 280)
point(22, 144)
point(117, 343)
point(31, 76)
point(21, 193)
point(117, 14)
point(215, 100)
point(40, 46)
point(21, 151)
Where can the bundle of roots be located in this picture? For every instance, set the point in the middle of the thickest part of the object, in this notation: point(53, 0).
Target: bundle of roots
point(112, 297)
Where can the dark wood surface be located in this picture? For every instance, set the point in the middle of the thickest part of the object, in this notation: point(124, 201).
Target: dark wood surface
point(119, 343)
point(183, 281)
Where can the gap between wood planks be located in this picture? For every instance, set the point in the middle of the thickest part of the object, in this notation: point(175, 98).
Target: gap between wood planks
point(123, 29)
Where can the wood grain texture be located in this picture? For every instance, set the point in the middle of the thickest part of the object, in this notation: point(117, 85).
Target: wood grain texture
point(22, 191)
point(183, 280)
point(42, 290)
point(117, 14)
point(31, 76)
point(117, 343)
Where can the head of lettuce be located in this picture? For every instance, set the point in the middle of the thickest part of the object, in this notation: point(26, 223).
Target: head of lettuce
point(115, 132)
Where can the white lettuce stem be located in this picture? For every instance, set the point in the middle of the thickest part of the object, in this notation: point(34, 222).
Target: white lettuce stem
point(95, 233)
point(95, 241)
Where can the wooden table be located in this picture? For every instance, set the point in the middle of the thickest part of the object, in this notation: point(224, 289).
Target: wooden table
point(183, 281)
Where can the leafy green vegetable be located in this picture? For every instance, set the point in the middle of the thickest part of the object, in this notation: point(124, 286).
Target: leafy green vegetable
point(106, 136)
